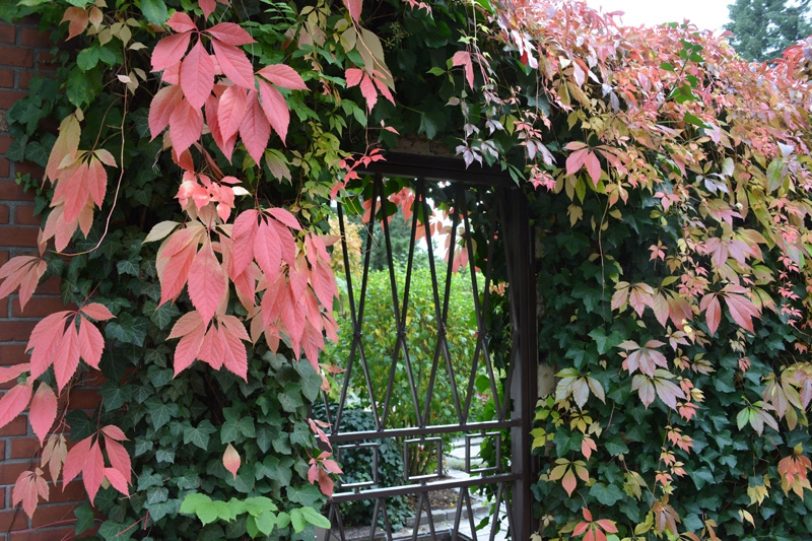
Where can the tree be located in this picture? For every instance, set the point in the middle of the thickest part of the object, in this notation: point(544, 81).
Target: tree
point(762, 29)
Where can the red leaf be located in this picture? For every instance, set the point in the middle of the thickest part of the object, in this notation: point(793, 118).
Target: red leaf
point(174, 259)
point(235, 358)
point(568, 482)
point(91, 343)
point(93, 471)
point(77, 19)
point(181, 22)
point(741, 310)
point(188, 348)
point(284, 216)
point(114, 433)
point(44, 340)
point(275, 108)
point(255, 131)
point(575, 161)
point(243, 233)
point(8, 373)
point(284, 76)
point(713, 311)
point(231, 108)
point(267, 251)
point(231, 460)
point(14, 402)
point(119, 458)
point(23, 272)
point(163, 105)
point(207, 6)
point(353, 76)
point(67, 357)
point(369, 92)
point(185, 125)
point(117, 481)
point(326, 483)
point(207, 283)
point(234, 63)
point(42, 413)
point(197, 76)
point(28, 489)
point(97, 311)
point(593, 167)
point(230, 34)
point(170, 50)
point(354, 8)
point(463, 58)
point(75, 460)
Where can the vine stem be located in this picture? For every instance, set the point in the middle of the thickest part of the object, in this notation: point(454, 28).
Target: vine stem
point(122, 170)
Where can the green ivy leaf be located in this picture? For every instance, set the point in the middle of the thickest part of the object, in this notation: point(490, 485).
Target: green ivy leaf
point(606, 494)
point(154, 11)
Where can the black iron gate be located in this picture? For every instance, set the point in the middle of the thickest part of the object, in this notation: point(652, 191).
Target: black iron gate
point(486, 411)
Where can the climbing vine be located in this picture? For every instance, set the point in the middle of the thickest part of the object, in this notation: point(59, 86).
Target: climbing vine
point(186, 199)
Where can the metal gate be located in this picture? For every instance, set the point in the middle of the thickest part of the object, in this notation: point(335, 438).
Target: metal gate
point(486, 221)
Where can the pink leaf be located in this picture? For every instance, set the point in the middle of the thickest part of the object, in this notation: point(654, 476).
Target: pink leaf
point(234, 63)
point(575, 161)
point(93, 471)
point(230, 34)
point(713, 311)
point(284, 216)
point(231, 110)
point(275, 108)
point(181, 22)
point(185, 125)
point(593, 167)
point(463, 58)
point(91, 343)
point(353, 76)
point(188, 349)
point(8, 373)
point(97, 311)
point(284, 76)
point(14, 402)
point(42, 413)
point(231, 460)
point(267, 250)
point(369, 92)
point(75, 460)
point(117, 481)
point(197, 76)
point(354, 9)
point(67, 357)
point(28, 489)
point(208, 7)
point(163, 105)
point(170, 50)
point(243, 233)
point(207, 283)
point(255, 131)
point(119, 458)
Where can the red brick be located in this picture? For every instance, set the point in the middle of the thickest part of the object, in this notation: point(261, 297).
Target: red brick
point(45, 60)
point(6, 78)
point(28, 168)
point(16, 330)
point(54, 515)
point(23, 447)
point(10, 191)
point(17, 427)
point(73, 492)
point(7, 32)
point(50, 534)
point(38, 306)
point(4, 212)
point(25, 236)
point(24, 215)
point(11, 55)
point(50, 286)
point(9, 97)
point(10, 472)
point(13, 519)
point(5, 143)
point(12, 354)
point(31, 37)
point(5, 167)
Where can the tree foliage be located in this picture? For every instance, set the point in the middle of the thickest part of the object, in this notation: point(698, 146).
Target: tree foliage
point(762, 29)
point(199, 145)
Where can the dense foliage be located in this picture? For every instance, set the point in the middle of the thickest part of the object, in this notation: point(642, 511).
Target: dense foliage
point(762, 29)
point(671, 181)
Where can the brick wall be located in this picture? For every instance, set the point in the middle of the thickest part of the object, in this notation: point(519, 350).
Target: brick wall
point(23, 53)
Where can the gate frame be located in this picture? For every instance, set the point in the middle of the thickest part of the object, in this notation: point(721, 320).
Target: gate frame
point(520, 258)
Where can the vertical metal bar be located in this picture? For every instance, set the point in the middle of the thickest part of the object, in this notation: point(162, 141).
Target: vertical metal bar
point(520, 247)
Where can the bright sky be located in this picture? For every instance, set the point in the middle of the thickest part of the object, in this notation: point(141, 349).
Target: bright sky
point(706, 14)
